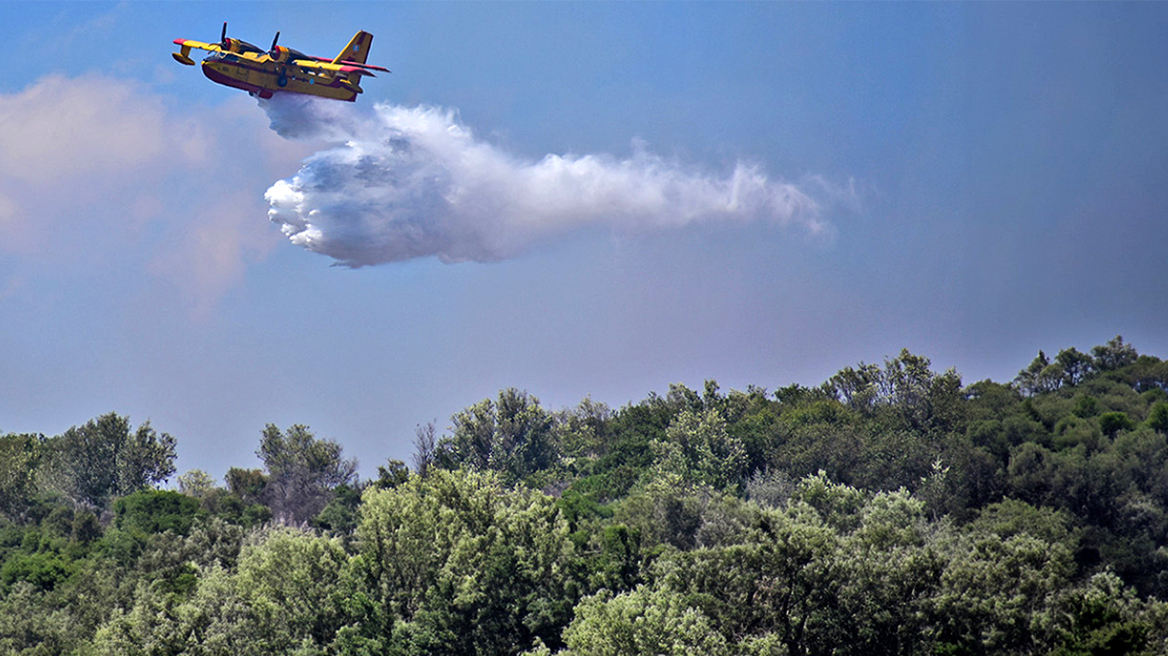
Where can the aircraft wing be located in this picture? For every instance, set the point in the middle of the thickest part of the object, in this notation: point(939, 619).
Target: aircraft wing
point(352, 63)
point(309, 64)
point(198, 45)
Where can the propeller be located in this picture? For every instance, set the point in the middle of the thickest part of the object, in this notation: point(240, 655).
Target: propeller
point(274, 51)
point(223, 37)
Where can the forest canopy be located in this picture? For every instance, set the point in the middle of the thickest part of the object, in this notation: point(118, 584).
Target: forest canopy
point(892, 509)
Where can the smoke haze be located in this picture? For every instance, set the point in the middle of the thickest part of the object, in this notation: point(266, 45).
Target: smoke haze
point(407, 182)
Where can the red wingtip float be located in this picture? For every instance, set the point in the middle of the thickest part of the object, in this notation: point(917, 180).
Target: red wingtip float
point(239, 64)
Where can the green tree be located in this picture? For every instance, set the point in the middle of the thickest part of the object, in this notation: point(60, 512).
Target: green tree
point(295, 579)
point(104, 458)
point(776, 587)
point(994, 593)
point(283, 598)
point(248, 484)
point(1076, 366)
point(302, 471)
point(19, 459)
point(644, 621)
point(1115, 354)
point(512, 435)
point(32, 624)
point(392, 474)
point(154, 511)
point(462, 565)
point(698, 448)
point(196, 483)
point(1113, 422)
point(1040, 377)
point(888, 569)
point(1158, 417)
point(857, 388)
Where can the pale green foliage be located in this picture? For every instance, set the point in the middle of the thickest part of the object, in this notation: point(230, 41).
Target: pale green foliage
point(281, 599)
point(217, 619)
point(297, 576)
point(769, 590)
point(838, 504)
point(196, 483)
point(29, 627)
point(644, 621)
point(770, 488)
point(1011, 517)
point(579, 431)
point(993, 590)
point(887, 570)
point(19, 457)
point(841, 571)
point(698, 449)
point(465, 565)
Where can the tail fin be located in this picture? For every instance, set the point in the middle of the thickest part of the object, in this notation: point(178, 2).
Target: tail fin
point(357, 50)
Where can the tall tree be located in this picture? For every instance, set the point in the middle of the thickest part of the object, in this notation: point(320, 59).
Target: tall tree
point(512, 435)
point(19, 457)
point(104, 459)
point(1114, 354)
point(302, 471)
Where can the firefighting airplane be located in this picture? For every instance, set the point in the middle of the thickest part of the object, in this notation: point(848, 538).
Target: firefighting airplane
point(239, 64)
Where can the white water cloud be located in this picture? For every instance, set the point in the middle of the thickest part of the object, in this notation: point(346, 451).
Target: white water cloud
point(404, 183)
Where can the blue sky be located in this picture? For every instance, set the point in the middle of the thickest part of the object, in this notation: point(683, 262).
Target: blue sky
point(991, 178)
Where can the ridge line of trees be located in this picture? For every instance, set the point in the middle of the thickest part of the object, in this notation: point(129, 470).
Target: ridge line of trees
point(890, 510)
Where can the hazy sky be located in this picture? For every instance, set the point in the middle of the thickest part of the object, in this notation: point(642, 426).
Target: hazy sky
point(569, 198)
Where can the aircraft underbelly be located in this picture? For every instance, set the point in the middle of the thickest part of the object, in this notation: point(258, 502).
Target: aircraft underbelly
point(264, 83)
point(232, 77)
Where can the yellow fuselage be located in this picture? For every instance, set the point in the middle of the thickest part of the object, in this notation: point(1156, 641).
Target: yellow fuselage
point(264, 78)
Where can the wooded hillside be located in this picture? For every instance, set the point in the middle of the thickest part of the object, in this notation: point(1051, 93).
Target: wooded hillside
point(891, 510)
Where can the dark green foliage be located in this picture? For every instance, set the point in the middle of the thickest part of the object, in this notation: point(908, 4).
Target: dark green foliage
point(511, 435)
point(231, 508)
point(1086, 406)
point(1158, 417)
point(392, 474)
point(105, 458)
point(1114, 355)
point(155, 512)
point(340, 515)
point(44, 570)
point(247, 484)
point(1113, 422)
point(888, 511)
